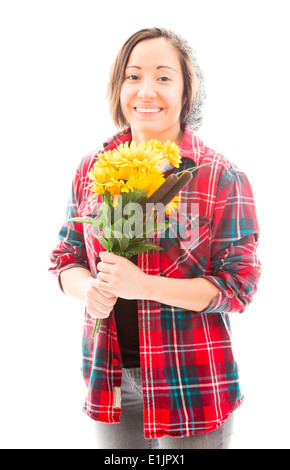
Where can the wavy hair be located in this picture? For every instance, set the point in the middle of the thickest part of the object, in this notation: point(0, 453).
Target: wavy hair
point(194, 89)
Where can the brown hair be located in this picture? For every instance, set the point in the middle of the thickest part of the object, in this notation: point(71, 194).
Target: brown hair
point(192, 88)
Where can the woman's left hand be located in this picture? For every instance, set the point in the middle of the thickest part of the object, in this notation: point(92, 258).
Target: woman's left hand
point(120, 277)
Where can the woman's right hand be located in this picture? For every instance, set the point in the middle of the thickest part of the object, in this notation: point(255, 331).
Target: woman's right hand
point(99, 303)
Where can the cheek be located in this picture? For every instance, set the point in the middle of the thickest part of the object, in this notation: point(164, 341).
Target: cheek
point(125, 96)
point(175, 101)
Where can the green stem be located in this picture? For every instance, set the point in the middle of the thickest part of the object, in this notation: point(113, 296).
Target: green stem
point(193, 168)
point(97, 327)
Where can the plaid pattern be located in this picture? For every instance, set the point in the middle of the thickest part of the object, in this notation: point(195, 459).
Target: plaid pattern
point(189, 375)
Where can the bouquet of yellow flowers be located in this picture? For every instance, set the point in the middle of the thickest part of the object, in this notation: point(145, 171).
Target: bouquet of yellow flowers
point(130, 179)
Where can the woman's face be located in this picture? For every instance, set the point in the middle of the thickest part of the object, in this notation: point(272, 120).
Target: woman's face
point(152, 93)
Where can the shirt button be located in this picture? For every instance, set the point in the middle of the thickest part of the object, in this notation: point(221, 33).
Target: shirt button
point(115, 362)
point(229, 293)
point(241, 291)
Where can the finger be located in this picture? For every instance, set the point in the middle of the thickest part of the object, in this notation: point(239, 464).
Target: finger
point(96, 284)
point(104, 267)
point(94, 296)
point(107, 302)
point(110, 258)
point(95, 314)
point(103, 305)
point(104, 287)
point(104, 277)
point(98, 311)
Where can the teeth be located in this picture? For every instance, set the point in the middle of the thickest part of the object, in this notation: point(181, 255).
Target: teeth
point(148, 110)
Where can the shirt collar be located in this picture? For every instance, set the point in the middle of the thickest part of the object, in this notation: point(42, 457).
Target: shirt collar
point(191, 146)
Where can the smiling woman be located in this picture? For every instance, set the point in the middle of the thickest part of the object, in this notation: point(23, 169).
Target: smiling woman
point(152, 93)
point(192, 76)
point(164, 345)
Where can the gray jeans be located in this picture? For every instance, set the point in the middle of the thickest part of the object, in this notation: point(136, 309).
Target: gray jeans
point(129, 433)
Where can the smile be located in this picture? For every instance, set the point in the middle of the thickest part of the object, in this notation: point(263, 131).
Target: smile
point(148, 110)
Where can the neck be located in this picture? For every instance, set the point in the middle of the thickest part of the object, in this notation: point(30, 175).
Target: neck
point(139, 137)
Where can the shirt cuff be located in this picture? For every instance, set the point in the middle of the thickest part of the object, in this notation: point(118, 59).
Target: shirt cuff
point(228, 299)
point(64, 268)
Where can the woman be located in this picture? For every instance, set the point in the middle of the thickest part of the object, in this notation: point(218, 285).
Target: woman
point(162, 367)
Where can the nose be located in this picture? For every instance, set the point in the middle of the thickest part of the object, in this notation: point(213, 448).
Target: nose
point(147, 90)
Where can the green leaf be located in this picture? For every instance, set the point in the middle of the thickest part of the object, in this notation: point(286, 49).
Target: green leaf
point(137, 196)
point(137, 241)
point(160, 226)
point(86, 220)
point(124, 242)
point(105, 213)
point(105, 243)
point(118, 225)
point(134, 250)
point(107, 197)
point(150, 246)
point(157, 227)
point(109, 233)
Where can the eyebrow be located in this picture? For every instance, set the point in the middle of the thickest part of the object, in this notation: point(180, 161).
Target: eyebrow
point(157, 68)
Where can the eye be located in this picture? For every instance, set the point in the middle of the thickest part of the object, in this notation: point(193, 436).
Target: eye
point(132, 77)
point(164, 79)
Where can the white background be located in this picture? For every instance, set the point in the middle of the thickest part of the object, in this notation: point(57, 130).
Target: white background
point(55, 62)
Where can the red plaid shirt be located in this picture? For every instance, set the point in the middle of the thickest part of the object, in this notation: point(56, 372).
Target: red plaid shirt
point(189, 375)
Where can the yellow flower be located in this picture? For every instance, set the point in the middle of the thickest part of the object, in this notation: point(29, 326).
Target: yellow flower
point(156, 179)
point(131, 167)
point(115, 187)
point(103, 174)
point(173, 205)
point(141, 181)
point(125, 172)
point(97, 188)
point(171, 150)
point(139, 152)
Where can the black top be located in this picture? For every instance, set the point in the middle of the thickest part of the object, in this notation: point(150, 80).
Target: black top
point(126, 318)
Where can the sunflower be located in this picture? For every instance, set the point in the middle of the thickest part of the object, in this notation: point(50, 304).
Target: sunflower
point(169, 150)
point(132, 167)
point(172, 206)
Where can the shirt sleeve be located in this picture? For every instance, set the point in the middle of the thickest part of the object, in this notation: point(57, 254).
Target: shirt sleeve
point(71, 250)
point(234, 265)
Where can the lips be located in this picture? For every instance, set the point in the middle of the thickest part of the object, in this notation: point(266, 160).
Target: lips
point(148, 110)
